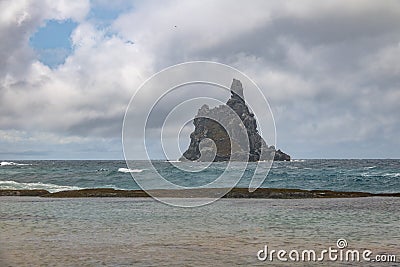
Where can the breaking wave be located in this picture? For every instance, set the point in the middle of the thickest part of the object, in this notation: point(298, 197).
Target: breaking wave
point(13, 185)
point(126, 170)
point(6, 163)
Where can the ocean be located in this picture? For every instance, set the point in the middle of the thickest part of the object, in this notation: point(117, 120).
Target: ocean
point(36, 231)
point(374, 176)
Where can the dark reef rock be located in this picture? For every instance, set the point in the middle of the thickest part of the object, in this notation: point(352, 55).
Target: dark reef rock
point(210, 140)
point(195, 193)
point(23, 192)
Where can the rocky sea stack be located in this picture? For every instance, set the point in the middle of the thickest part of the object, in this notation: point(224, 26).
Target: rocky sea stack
point(210, 140)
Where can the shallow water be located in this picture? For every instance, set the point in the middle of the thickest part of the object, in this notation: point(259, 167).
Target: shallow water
point(229, 232)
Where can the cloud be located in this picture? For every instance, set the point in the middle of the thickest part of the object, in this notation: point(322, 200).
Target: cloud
point(330, 69)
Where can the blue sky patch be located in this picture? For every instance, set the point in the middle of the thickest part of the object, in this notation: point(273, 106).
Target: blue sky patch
point(52, 42)
point(103, 14)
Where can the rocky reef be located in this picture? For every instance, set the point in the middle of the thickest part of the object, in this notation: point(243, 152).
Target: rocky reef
point(195, 193)
point(229, 132)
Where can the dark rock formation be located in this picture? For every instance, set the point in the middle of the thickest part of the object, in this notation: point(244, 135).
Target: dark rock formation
point(211, 140)
point(196, 193)
point(281, 156)
point(23, 192)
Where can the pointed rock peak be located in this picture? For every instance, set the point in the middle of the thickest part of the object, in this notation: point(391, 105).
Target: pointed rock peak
point(203, 110)
point(237, 89)
point(210, 141)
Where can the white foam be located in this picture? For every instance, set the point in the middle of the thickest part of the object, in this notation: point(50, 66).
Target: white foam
point(6, 163)
point(370, 167)
point(390, 174)
point(297, 160)
point(126, 170)
point(29, 186)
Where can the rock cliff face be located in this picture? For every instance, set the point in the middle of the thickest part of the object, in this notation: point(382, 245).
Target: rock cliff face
point(211, 140)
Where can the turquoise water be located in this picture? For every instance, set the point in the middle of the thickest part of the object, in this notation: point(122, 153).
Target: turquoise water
point(229, 232)
point(375, 176)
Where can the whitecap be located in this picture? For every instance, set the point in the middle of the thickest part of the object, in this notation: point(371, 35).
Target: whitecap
point(126, 170)
point(6, 163)
point(13, 185)
point(366, 174)
point(390, 174)
point(370, 167)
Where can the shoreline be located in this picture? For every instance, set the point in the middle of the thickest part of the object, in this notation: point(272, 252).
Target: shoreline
point(268, 193)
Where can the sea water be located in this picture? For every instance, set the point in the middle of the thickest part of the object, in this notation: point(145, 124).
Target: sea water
point(38, 231)
point(375, 176)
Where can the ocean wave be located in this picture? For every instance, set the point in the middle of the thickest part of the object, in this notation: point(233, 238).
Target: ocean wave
point(367, 174)
point(370, 167)
point(6, 163)
point(380, 174)
point(397, 174)
point(13, 185)
point(126, 170)
point(297, 160)
point(113, 186)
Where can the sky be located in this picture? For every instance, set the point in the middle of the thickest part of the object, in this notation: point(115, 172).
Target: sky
point(329, 69)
